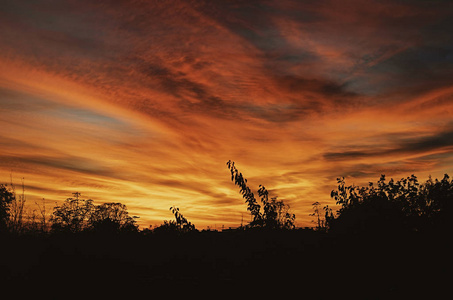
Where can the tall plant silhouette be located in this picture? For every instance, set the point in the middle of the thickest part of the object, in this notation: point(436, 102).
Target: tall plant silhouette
point(179, 225)
point(322, 221)
point(275, 212)
point(181, 222)
point(16, 222)
point(246, 192)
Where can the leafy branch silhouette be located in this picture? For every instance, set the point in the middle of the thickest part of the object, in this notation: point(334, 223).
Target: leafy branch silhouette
point(275, 214)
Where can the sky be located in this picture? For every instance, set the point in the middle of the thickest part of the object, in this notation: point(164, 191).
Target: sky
point(144, 102)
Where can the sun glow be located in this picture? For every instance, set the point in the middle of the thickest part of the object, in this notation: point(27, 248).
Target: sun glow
point(146, 111)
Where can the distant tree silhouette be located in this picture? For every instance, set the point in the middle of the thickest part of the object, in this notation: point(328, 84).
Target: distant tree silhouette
point(388, 206)
point(6, 197)
point(111, 218)
point(73, 215)
point(275, 213)
point(76, 215)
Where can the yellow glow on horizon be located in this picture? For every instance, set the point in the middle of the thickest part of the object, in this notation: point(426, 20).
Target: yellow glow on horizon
point(148, 111)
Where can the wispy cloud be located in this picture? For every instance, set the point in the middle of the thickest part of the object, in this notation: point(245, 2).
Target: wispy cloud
point(143, 102)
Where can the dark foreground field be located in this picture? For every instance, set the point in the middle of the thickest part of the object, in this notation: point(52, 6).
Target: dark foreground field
point(253, 263)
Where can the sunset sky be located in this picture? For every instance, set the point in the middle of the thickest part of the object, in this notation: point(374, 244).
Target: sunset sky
point(144, 102)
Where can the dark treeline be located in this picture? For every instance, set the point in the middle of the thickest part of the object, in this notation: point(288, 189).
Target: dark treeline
point(390, 239)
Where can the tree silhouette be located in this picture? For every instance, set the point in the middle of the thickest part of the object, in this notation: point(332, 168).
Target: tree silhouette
point(73, 215)
point(111, 218)
point(6, 197)
point(76, 215)
point(275, 213)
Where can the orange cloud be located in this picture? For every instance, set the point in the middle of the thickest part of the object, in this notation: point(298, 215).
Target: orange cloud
point(144, 102)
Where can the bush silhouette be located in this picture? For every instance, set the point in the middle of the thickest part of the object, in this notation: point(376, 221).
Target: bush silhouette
point(404, 205)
